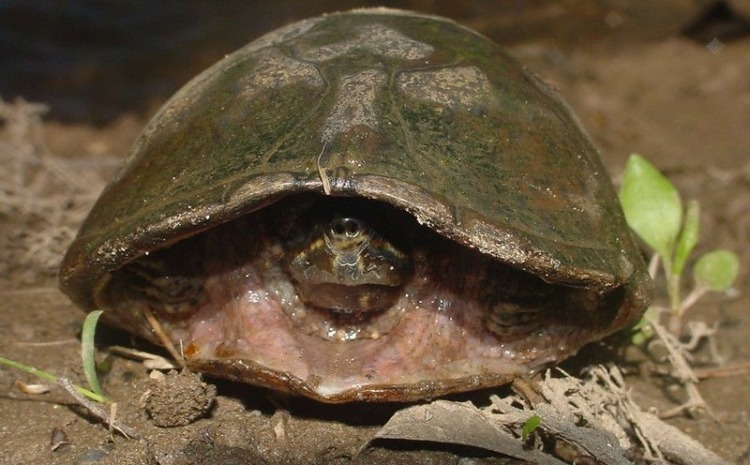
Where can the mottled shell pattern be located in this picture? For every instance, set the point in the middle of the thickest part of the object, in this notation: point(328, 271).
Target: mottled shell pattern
point(397, 108)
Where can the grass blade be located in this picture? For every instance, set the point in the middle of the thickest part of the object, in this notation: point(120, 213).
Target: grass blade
point(87, 351)
point(49, 377)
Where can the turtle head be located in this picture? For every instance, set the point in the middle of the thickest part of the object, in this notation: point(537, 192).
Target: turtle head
point(347, 267)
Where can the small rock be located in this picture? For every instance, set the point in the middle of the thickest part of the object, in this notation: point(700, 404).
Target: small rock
point(58, 439)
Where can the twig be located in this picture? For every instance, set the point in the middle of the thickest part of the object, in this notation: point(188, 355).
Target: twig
point(47, 343)
point(97, 411)
point(653, 266)
point(699, 330)
point(159, 331)
point(152, 361)
point(682, 372)
point(322, 171)
point(738, 369)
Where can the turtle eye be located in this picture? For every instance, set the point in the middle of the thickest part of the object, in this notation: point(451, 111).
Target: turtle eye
point(345, 227)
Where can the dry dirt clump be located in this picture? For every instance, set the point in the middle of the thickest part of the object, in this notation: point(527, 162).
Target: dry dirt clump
point(178, 399)
point(43, 197)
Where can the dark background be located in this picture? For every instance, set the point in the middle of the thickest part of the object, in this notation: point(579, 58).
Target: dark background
point(90, 60)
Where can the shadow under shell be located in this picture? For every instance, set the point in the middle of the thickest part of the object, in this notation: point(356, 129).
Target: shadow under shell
point(457, 319)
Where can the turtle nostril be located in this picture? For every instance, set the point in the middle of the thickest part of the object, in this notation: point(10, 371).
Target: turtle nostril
point(348, 227)
point(337, 227)
point(352, 227)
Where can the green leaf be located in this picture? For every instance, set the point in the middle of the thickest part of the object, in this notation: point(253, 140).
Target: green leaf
point(641, 332)
point(652, 205)
point(87, 351)
point(716, 270)
point(530, 426)
point(688, 237)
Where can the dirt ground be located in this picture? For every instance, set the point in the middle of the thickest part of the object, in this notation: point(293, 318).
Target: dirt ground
point(682, 102)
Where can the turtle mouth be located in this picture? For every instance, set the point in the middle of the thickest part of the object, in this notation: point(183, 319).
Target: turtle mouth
point(446, 318)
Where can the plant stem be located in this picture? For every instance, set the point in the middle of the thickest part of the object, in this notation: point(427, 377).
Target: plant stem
point(697, 292)
point(673, 290)
point(49, 377)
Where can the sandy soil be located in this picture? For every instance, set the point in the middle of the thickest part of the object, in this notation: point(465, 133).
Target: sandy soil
point(681, 104)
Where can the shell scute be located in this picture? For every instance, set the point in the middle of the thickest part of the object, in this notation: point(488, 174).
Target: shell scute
point(425, 126)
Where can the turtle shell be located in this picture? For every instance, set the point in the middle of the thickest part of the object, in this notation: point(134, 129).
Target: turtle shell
point(392, 110)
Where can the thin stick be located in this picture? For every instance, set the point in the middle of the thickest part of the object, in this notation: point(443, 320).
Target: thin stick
point(653, 266)
point(97, 411)
point(322, 171)
point(723, 372)
point(143, 356)
point(682, 372)
point(159, 331)
point(47, 344)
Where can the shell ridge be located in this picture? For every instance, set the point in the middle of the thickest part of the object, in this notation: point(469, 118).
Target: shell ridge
point(412, 118)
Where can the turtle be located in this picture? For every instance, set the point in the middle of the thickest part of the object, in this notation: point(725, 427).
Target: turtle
point(372, 205)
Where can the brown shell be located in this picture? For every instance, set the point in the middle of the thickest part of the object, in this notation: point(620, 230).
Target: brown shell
point(413, 110)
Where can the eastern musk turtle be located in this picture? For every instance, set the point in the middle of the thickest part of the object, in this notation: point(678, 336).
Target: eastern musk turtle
point(373, 205)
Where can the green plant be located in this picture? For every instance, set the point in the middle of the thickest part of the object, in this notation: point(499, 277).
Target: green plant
point(654, 210)
point(88, 352)
point(530, 426)
point(81, 395)
point(87, 356)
